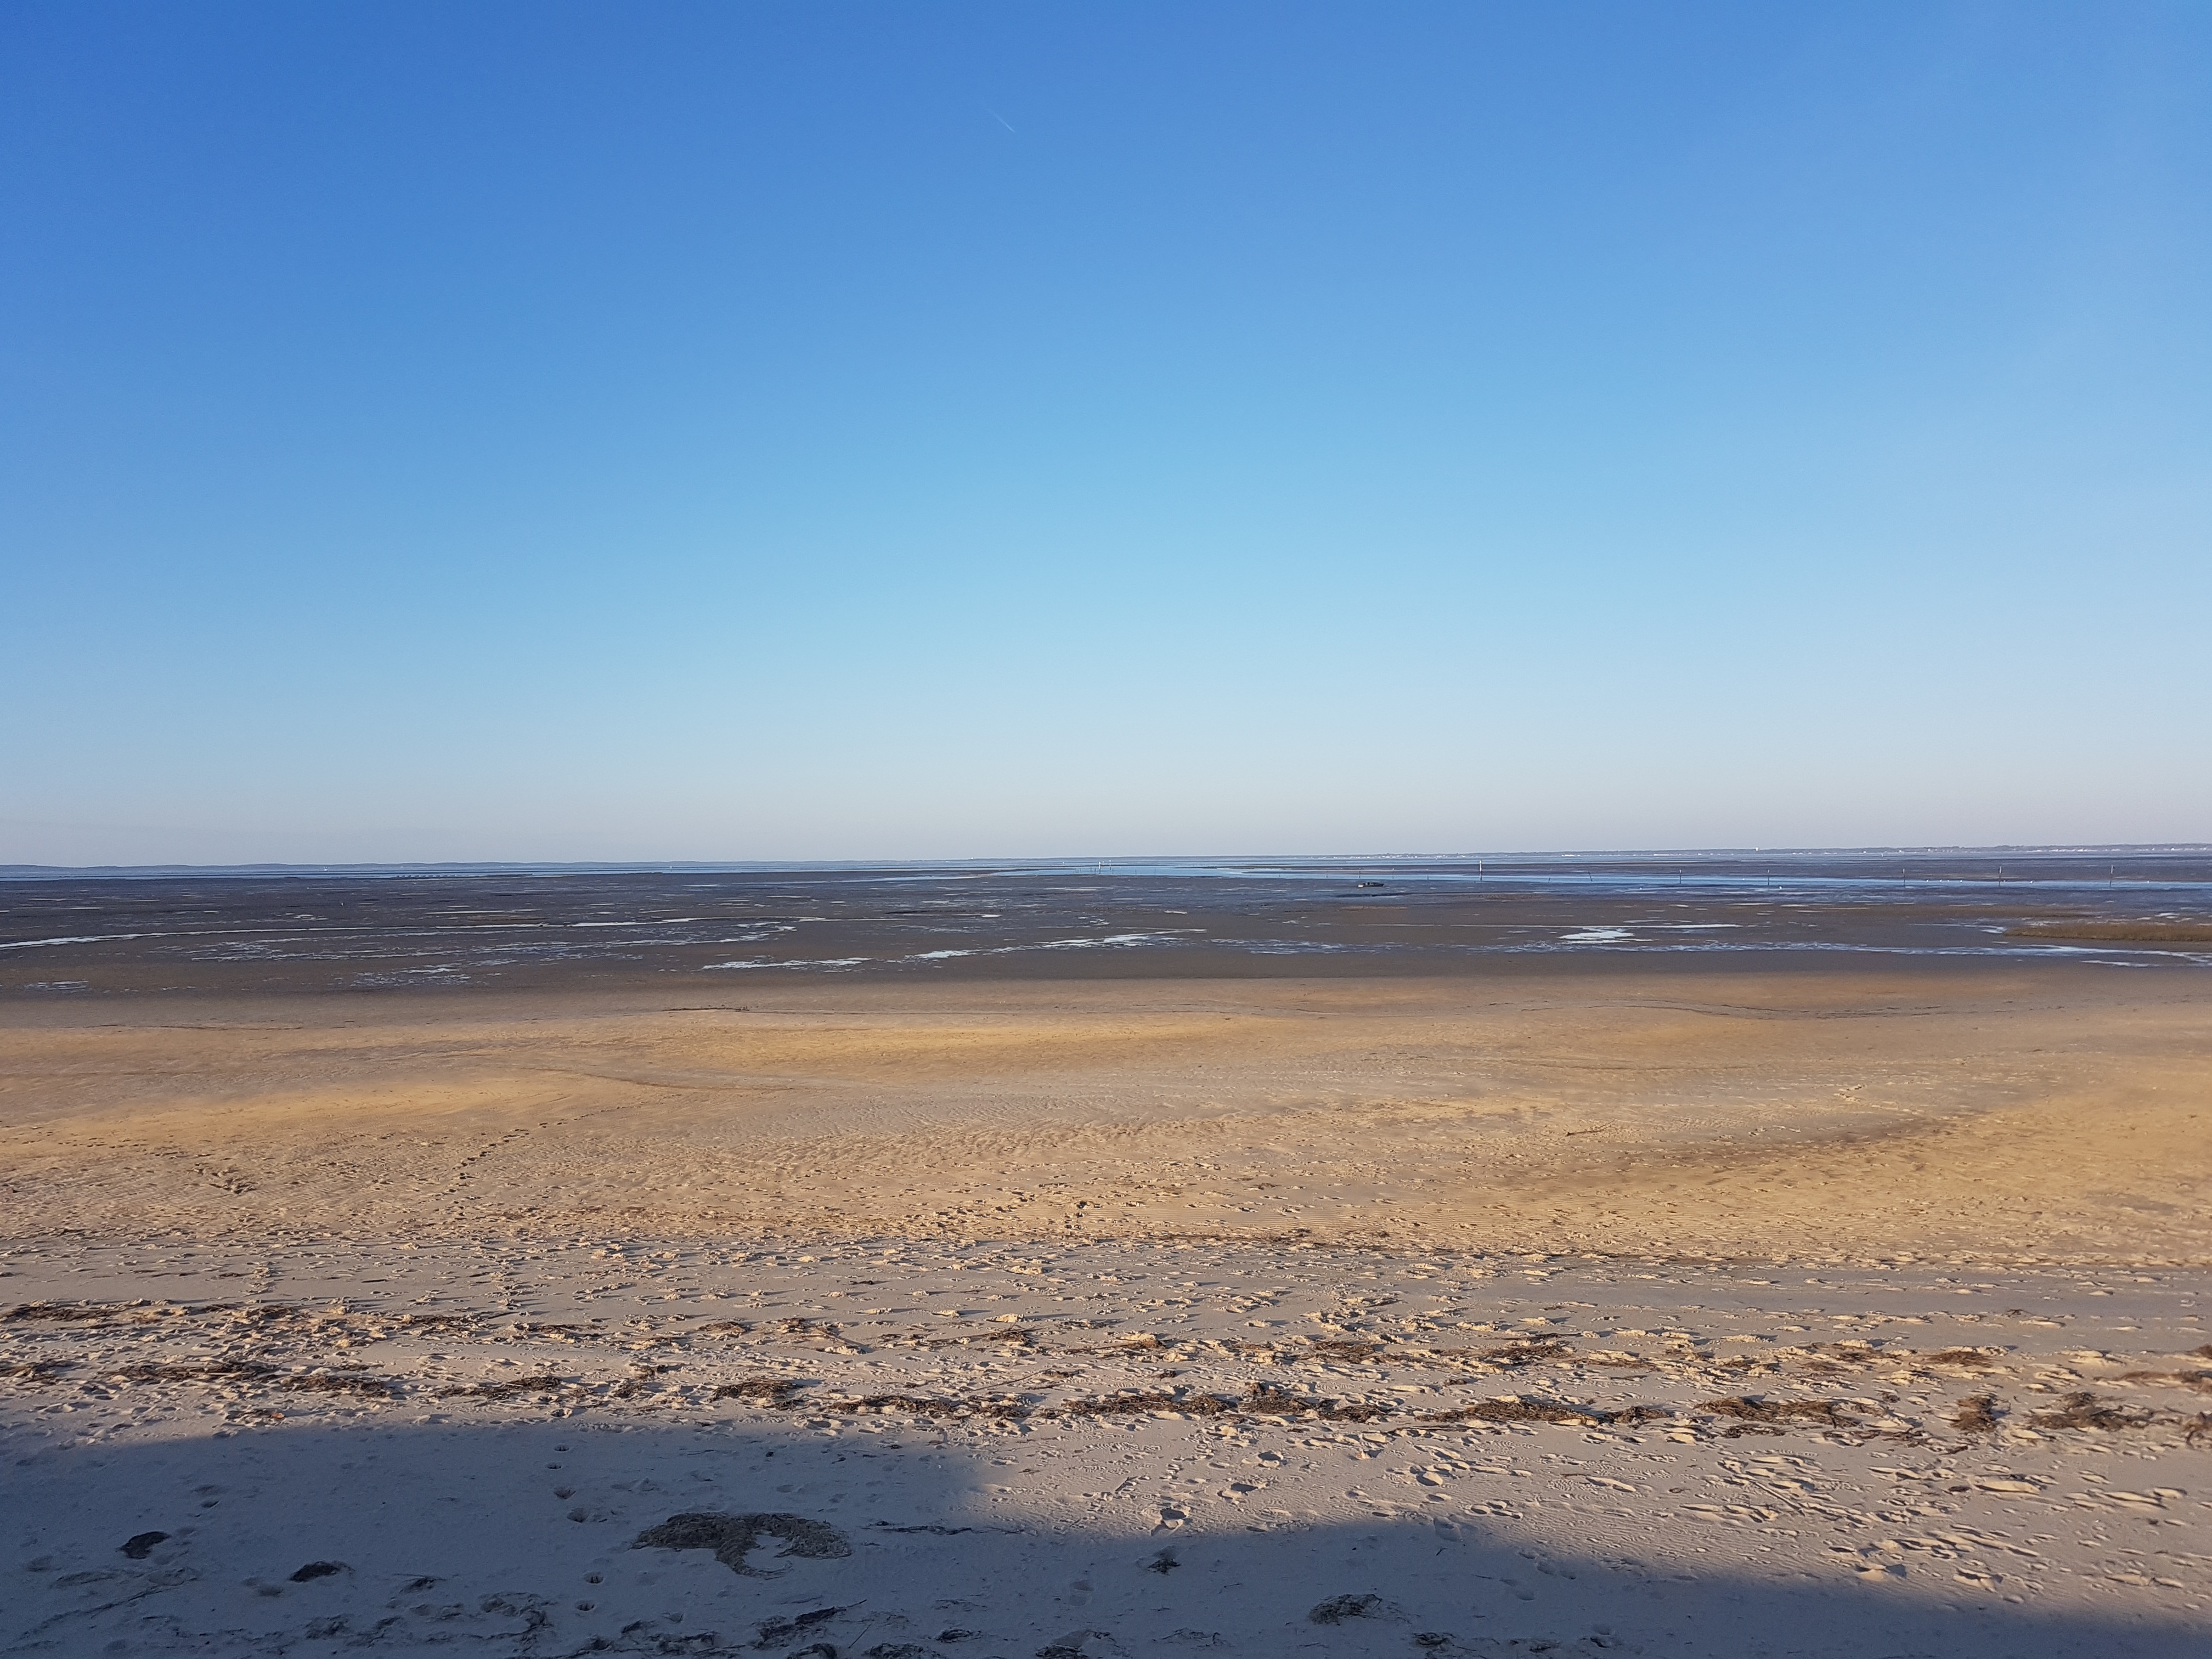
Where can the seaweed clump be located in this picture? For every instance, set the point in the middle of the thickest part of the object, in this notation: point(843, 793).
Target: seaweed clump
point(1977, 1414)
point(2083, 1409)
point(922, 1406)
point(1265, 1400)
point(777, 1393)
point(514, 1387)
point(1543, 1411)
point(1754, 1415)
point(1130, 1405)
point(732, 1537)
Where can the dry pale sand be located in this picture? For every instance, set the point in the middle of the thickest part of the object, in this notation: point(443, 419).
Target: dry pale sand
point(1681, 1314)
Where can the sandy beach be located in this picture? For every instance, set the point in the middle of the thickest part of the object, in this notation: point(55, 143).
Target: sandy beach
point(1765, 1307)
point(1066, 831)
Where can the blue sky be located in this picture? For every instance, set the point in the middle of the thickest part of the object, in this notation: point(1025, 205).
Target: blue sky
point(845, 431)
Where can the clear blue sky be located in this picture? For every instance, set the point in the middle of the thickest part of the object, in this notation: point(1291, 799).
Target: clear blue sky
point(538, 431)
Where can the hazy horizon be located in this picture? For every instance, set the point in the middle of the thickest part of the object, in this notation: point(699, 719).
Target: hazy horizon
point(1120, 862)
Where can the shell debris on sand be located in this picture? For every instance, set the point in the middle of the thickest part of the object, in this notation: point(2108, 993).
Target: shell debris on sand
point(543, 1464)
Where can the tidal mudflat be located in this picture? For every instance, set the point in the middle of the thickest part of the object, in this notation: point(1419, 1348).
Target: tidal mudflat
point(1505, 1269)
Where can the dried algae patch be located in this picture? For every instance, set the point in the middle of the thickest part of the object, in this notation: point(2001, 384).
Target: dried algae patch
point(1137, 1404)
point(732, 1537)
point(242, 1370)
point(2083, 1409)
point(1965, 1359)
point(1750, 1411)
point(914, 1405)
point(1540, 1411)
point(778, 1392)
point(1515, 1355)
point(513, 1388)
point(1265, 1400)
point(1977, 1414)
point(343, 1382)
point(70, 1312)
point(1348, 1349)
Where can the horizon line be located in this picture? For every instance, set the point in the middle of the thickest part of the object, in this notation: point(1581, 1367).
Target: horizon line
point(734, 866)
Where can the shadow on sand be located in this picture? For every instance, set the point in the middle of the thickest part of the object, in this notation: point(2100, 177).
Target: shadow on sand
point(522, 1539)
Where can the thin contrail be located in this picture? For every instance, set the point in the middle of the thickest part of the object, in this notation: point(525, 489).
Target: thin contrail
point(1001, 120)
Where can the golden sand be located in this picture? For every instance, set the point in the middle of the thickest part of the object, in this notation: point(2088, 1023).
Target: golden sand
point(1687, 1314)
point(2044, 1115)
